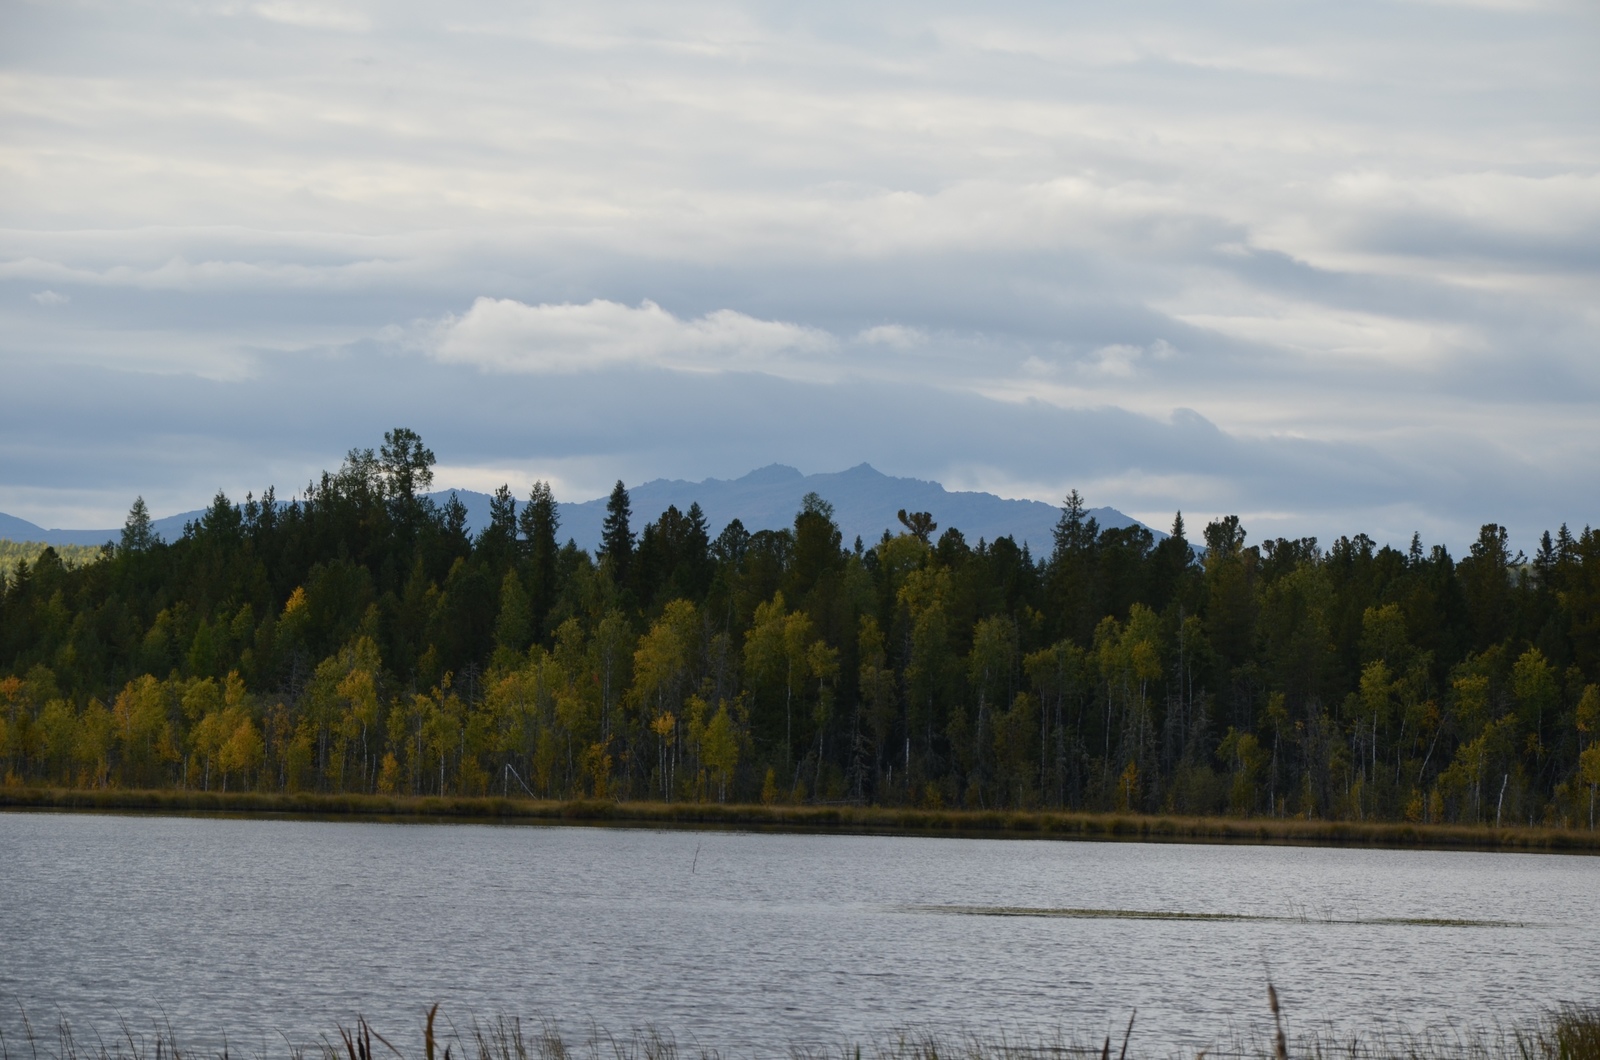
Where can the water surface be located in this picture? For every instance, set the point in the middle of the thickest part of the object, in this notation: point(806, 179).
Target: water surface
point(751, 942)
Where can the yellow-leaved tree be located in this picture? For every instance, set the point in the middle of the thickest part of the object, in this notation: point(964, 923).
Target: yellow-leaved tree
point(1589, 742)
point(143, 728)
point(663, 667)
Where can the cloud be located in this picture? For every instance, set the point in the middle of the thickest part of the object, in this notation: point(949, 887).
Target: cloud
point(1118, 360)
point(501, 334)
point(180, 438)
point(1356, 237)
point(180, 275)
point(313, 15)
point(1314, 330)
point(894, 336)
point(50, 298)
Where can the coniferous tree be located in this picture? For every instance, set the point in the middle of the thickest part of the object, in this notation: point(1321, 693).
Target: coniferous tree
point(405, 467)
point(1072, 569)
point(330, 644)
point(137, 536)
point(539, 522)
point(1173, 560)
point(616, 537)
point(457, 538)
point(500, 535)
point(918, 524)
point(406, 463)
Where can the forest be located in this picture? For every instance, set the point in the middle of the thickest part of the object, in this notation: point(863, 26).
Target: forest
point(358, 638)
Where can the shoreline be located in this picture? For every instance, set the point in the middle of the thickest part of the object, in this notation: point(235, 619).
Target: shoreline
point(847, 820)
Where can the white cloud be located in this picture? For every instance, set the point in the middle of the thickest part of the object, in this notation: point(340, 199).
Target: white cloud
point(176, 274)
point(1119, 360)
point(1315, 330)
point(501, 334)
point(50, 298)
point(313, 15)
point(894, 336)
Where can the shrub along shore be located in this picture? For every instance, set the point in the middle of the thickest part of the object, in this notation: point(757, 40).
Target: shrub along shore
point(847, 819)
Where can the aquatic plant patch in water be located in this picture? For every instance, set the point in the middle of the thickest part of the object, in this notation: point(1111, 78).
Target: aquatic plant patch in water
point(1172, 914)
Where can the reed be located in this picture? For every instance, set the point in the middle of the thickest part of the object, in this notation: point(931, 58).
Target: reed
point(1565, 1033)
point(814, 818)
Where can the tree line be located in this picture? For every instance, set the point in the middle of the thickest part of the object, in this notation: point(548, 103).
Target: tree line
point(359, 638)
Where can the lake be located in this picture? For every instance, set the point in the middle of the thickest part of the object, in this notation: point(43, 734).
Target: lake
point(752, 942)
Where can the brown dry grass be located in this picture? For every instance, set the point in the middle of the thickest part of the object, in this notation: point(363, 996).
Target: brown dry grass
point(844, 819)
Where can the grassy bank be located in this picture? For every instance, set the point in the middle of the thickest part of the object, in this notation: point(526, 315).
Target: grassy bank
point(1565, 1034)
point(844, 819)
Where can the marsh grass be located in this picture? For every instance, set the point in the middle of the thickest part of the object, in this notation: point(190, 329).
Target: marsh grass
point(1565, 1033)
point(1013, 824)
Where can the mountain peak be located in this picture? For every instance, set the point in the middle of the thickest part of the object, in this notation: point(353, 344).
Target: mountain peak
point(772, 473)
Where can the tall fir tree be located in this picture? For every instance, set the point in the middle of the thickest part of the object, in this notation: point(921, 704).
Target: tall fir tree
point(616, 537)
point(1072, 569)
point(137, 534)
point(539, 522)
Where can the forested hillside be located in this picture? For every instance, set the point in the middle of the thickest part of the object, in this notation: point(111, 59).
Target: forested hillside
point(14, 552)
point(360, 639)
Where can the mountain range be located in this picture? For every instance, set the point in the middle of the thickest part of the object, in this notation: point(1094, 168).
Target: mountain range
point(865, 502)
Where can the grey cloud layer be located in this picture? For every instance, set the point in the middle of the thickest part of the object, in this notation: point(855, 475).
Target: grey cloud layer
point(1358, 241)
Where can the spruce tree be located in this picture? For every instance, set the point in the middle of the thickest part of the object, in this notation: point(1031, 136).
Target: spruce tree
point(616, 539)
point(1072, 573)
point(137, 536)
point(539, 521)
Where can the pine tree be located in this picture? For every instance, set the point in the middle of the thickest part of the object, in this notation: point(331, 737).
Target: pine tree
point(1072, 571)
point(137, 535)
point(731, 545)
point(454, 524)
point(503, 515)
point(1076, 530)
point(406, 463)
point(539, 522)
point(405, 468)
point(616, 539)
point(1172, 559)
point(919, 525)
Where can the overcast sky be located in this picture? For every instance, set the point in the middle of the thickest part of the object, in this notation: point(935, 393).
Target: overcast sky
point(1332, 267)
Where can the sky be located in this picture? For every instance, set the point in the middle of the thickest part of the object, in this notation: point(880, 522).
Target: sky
point(1334, 268)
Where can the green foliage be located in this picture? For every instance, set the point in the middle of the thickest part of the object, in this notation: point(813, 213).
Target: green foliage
point(357, 639)
point(30, 552)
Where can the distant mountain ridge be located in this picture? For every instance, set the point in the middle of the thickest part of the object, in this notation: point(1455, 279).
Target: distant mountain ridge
point(864, 501)
point(169, 528)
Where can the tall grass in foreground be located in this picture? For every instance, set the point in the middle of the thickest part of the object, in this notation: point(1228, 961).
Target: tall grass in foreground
point(1567, 1033)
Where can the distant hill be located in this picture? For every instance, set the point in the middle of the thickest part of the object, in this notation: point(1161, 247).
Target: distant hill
point(14, 529)
point(864, 501)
